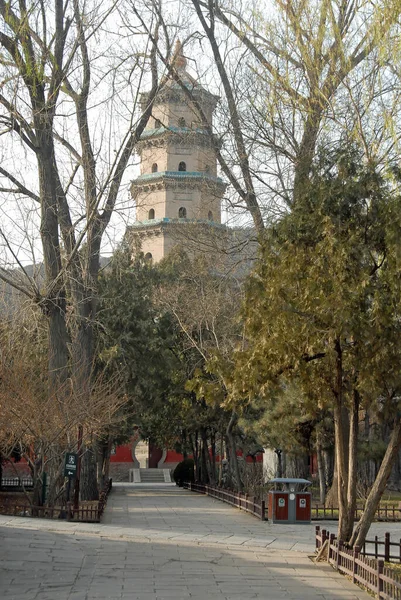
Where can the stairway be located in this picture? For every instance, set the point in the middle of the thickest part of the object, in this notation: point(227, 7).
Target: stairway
point(150, 476)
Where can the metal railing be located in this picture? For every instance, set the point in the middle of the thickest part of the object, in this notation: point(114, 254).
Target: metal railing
point(242, 501)
point(16, 482)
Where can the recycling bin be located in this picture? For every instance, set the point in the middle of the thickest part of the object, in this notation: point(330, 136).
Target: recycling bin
point(291, 503)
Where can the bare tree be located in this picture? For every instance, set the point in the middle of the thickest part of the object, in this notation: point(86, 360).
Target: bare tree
point(306, 74)
point(42, 426)
point(60, 63)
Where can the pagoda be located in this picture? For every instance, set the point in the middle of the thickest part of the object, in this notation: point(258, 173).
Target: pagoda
point(178, 184)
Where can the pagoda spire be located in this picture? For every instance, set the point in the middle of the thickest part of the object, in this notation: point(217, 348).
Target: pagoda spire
point(178, 60)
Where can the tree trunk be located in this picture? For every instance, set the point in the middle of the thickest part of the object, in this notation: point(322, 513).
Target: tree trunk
point(221, 459)
point(206, 475)
point(345, 525)
point(359, 535)
point(297, 466)
point(306, 153)
point(352, 464)
point(88, 483)
point(54, 303)
point(328, 468)
point(233, 450)
point(103, 453)
point(321, 471)
point(184, 444)
point(340, 436)
point(213, 449)
point(54, 469)
point(279, 467)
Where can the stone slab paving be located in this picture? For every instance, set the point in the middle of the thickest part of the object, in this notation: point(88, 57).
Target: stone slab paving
point(162, 542)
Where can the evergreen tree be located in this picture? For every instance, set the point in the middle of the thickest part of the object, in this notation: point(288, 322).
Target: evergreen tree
point(323, 309)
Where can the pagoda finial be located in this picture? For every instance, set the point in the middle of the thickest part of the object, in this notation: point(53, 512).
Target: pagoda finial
point(179, 61)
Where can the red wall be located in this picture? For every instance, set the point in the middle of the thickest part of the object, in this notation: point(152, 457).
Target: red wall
point(123, 454)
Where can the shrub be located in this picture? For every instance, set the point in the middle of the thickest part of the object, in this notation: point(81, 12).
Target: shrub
point(184, 471)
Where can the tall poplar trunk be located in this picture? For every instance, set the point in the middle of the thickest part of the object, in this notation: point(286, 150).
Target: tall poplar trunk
point(54, 306)
point(341, 449)
point(352, 462)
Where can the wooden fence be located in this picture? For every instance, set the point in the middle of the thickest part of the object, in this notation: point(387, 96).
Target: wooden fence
point(369, 572)
point(87, 512)
point(242, 501)
point(389, 550)
point(384, 512)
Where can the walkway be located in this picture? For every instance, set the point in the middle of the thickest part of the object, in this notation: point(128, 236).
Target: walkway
point(161, 542)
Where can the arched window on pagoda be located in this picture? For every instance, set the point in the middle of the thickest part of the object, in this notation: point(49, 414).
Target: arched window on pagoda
point(148, 256)
point(182, 122)
point(182, 212)
point(182, 166)
point(151, 214)
point(154, 168)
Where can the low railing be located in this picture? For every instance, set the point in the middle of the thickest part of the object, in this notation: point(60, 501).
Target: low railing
point(87, 512)
point(387, 549)
point(369, 572)
point(384, 512)
point(239, 500)
point(104, 494)
point(17, 482)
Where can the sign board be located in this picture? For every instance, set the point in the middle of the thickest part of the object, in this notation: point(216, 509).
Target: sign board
point(281, 502)
point(302, 503)
point(70, 465)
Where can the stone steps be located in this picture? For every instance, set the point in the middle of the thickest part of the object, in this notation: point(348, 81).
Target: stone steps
point(150, 476)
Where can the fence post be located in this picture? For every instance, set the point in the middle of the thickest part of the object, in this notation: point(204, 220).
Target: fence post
point(380, 567)
point(317, 531)
point(355, 554)
point(338, 558)
point(331, 539)
point(387, 547)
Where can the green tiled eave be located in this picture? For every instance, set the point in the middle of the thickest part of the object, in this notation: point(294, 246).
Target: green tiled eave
point(182, 130)
point(178, 175)
point(175, 221)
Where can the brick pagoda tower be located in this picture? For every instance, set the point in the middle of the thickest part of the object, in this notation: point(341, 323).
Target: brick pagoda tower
point(178, 183)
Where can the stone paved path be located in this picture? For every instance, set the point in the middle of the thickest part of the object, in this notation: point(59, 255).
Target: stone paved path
point(162, 542)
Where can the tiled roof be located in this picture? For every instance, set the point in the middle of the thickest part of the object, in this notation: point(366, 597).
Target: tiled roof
point(179, 174)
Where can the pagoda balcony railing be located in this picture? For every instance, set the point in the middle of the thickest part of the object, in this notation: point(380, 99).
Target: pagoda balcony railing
point(180, 174)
